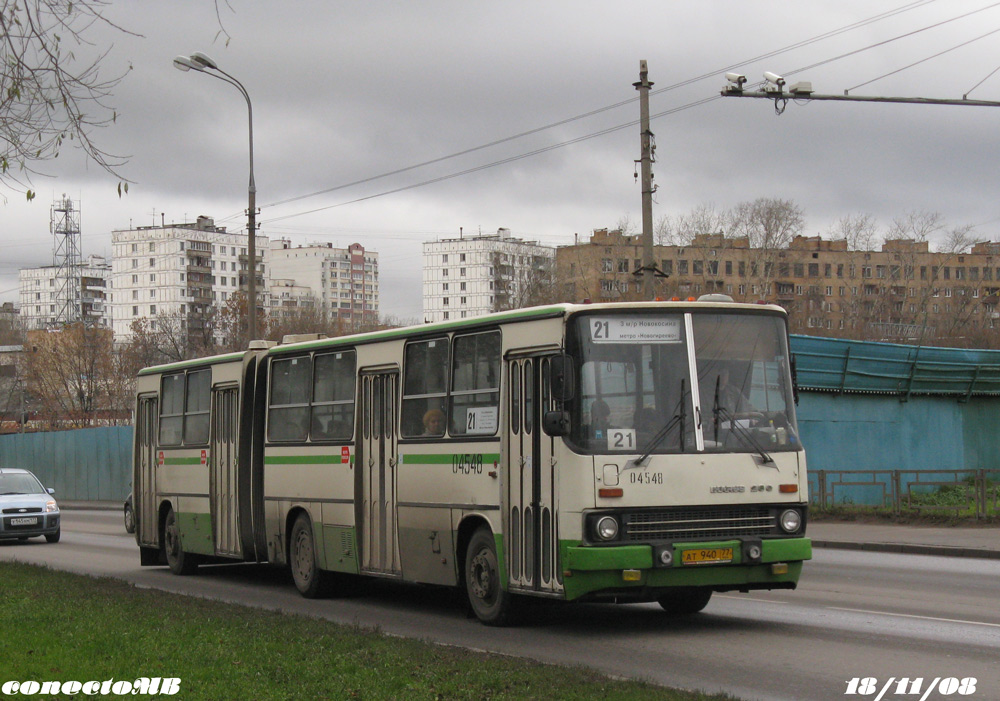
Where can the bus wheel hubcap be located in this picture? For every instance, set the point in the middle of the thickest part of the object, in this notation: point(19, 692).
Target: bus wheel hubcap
point(482, 576)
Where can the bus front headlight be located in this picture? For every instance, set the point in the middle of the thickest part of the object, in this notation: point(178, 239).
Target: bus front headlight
point(607, 528)
point(791, 521)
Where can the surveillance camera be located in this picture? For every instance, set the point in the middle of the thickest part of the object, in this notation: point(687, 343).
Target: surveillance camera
point(737, 78)
point(774, 78)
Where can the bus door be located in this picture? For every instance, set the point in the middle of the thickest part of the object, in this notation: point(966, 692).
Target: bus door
point(532, 540)
point(223, 466)
point(144, 479)
point(376, 470)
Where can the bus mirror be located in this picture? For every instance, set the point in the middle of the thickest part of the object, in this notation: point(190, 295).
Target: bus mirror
point(561, 378)
point(556, 423)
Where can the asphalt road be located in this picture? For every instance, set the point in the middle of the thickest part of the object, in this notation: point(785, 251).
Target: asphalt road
point(855, 615)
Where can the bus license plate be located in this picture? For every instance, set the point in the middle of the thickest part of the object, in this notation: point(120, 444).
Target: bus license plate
point(26, 521)
point(708, 556)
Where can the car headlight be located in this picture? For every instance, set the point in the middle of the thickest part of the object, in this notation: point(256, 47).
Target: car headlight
point(791, 521)
point(51, 506)
point(607, 528)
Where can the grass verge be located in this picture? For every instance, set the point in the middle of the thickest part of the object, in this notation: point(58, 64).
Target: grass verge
point(71, 627)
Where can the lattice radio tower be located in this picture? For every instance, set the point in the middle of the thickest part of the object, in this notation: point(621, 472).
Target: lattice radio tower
point(67, 259)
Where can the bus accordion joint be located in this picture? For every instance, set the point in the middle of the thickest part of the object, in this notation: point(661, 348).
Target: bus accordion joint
point(610, 492)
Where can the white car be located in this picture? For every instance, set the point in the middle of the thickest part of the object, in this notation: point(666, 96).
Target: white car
point(27, 509)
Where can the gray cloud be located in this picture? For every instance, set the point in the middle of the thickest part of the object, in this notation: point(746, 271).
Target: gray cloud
point(344, 91)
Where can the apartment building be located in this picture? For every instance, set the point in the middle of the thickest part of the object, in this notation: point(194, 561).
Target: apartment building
point(474, 275)
point(174, 274)
point(343, 281)
point(902, 292)
point(48, 297)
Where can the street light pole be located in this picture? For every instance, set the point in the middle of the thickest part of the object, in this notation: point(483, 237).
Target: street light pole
point(203, 64)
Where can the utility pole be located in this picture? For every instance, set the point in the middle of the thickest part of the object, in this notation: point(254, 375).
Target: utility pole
point(646, 161)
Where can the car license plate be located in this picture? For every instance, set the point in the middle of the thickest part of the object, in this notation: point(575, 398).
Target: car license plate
point(24, 521)
point(707, 556)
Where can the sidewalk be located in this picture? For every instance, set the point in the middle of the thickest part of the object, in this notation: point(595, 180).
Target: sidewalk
point(956, 541)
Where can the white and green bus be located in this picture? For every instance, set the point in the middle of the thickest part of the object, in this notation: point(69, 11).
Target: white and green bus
point(626, 452)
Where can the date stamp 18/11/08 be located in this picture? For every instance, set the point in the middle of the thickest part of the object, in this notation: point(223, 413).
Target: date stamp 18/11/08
point(910, 687)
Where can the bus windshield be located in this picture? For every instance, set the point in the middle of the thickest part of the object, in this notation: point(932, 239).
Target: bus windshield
point(697, 381)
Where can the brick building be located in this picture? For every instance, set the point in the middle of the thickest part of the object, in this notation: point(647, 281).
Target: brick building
point(903, 292)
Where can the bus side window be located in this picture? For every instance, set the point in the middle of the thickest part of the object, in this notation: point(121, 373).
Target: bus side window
point(197, 401)
point(171, 409)
point(288, 410)
point(333, 396)
point(425, 367)
point(475, 391)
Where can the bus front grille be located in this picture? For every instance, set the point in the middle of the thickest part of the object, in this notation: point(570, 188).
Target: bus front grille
point(702, 524)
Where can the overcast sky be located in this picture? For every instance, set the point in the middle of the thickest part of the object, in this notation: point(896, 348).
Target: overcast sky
point(344, 91)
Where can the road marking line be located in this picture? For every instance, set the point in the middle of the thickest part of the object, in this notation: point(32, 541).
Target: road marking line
point(925, 618)
point(750, 598)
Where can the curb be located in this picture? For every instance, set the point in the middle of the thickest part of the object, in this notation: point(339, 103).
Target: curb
point(91, 505)
point(910, 549)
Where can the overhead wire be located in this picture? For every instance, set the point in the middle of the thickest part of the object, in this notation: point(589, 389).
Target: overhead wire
point(619, 127)
point(924, 60)
point(892, 39)
point(631, 123)
point(805, 42)
point(990, 75)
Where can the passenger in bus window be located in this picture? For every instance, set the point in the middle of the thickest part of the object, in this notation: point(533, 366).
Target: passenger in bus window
point(434, 423)
point(600, 417)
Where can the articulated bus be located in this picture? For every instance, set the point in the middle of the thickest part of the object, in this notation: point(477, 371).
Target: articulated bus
point(630, 452)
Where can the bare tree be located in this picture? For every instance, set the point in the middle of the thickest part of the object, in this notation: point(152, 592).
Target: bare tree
point(75, 378)
point(49, 93)
point(918, 226)
point(861, 231)
point(768, 225)
point(703, 219)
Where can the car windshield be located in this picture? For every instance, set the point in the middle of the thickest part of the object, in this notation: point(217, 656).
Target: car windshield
point(19, 483)
point(701, 381)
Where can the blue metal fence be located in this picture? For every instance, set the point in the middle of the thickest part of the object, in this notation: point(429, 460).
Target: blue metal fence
point(90, 464)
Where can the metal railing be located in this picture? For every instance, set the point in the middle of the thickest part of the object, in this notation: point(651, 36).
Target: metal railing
point(906, 490)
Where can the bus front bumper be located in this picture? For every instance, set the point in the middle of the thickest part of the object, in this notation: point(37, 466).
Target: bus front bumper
point(639, 570)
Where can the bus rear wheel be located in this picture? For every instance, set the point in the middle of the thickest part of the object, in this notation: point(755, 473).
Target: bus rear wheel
point(684, 601)
point(310, 580)
point(492, 605)
point(179, 561)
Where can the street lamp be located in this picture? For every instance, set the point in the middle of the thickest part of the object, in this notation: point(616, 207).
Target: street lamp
point(203, 64)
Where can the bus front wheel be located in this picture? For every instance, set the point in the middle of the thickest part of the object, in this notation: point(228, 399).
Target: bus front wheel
point(179, 561)
point(490, 602)
point(310, 580)
point(685, 600)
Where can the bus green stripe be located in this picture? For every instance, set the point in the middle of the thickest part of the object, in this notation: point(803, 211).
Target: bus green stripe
point(443, 458)
point(304, 459)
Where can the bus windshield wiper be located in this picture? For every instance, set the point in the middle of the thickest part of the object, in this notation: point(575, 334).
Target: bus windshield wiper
point(742, 434)
point(677, 418)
